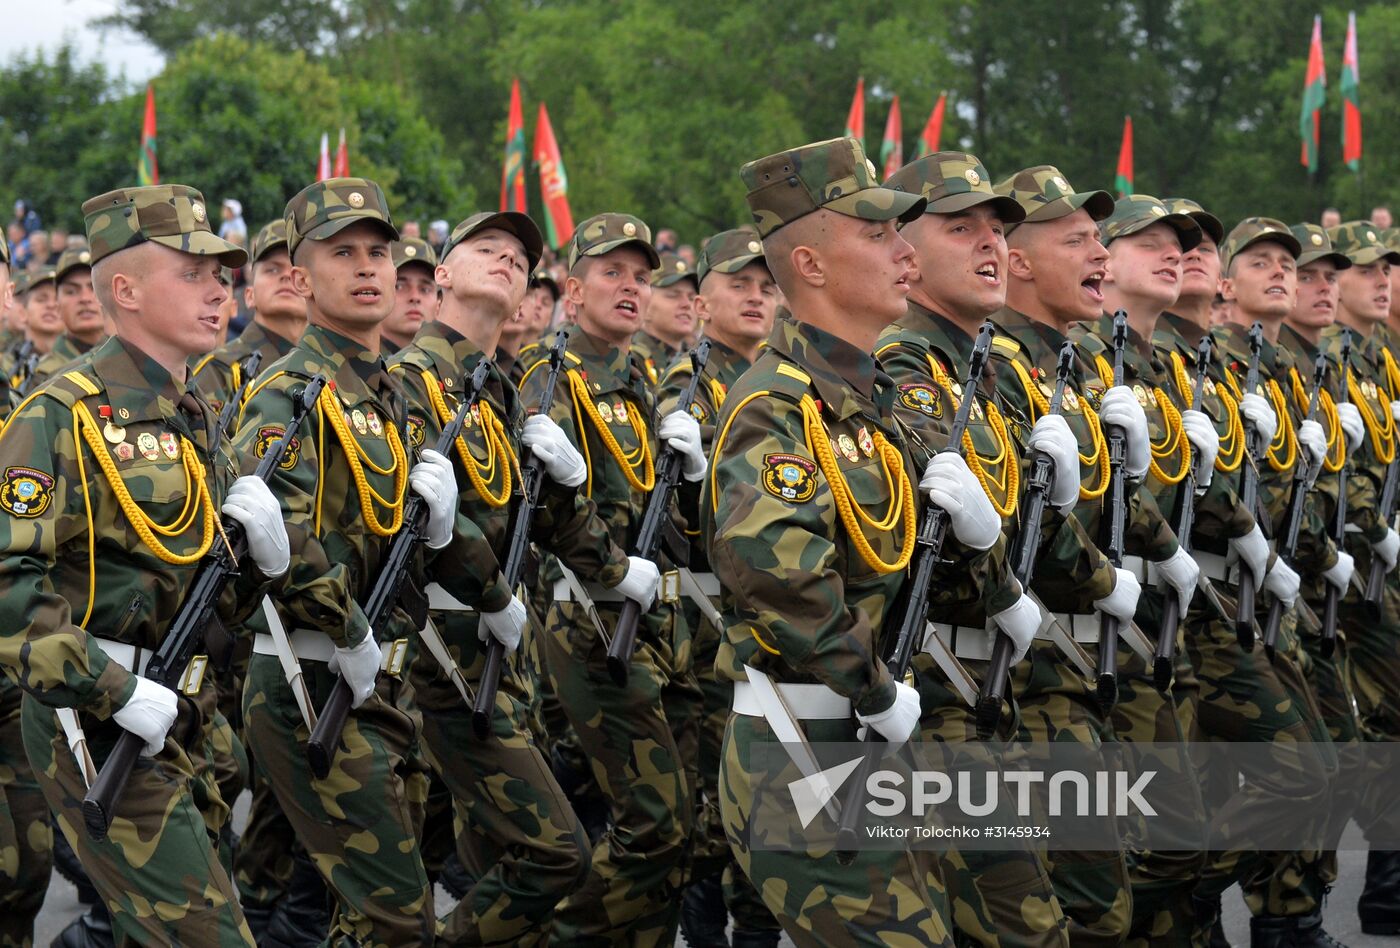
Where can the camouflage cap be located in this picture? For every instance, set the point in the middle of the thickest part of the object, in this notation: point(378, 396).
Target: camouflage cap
point(27, 280)
point(512, 222)
point(729, 251)
point(1391, 238)
point(171, 215)
point(542, 278)
point(833, 174)
point(1207, 221)
point(272, 236)
point(1361, 242)
point(1317, 246)
point(954, 181)
point(74, 258)
point(1139, 211)
point(1250, 231)
point(603, 233)
point(327, 207)
point(1046, 195)
point(413, 250)
point(673, 269)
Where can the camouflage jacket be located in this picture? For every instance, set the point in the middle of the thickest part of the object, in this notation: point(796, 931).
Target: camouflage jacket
point(1371, 389)
point(800, 600)
point(115, 423)
point(654, 355)
point(65, 349)
point(335, 553)
point(220, 373)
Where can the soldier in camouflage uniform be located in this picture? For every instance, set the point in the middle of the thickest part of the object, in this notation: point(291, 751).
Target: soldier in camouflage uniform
point(84, 325)
point(670, 317)
point(960, 247)
point(416, 296)
point(342, 489)
point(37, 291)
point(639, 738)
point(82, 553)
point(736, 306)
point(805, 590)
point(522, 843)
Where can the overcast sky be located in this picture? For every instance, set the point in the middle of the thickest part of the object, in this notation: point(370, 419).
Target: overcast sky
point(44, 24)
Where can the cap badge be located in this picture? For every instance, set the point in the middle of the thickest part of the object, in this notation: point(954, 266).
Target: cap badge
point(1159, 212)
point(680, 266)
point(755, 246)
point(1317, 240)
point(410, 251)
point(1370, 235)
point(629, 229)
point(356, 199)
point(1060, 183)
point(197, 210)
point(973, 178)
point(84, 257)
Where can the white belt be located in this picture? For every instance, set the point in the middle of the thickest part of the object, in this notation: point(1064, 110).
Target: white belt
point(1082, 627)
point(708, 583)
point(1352, 528)
point(562, 592)
point(313, 645)
point(124, 655)
point(1213, 566)
point(966, 641)
point(1145, 570)
point(441, 600)
point(807, 702)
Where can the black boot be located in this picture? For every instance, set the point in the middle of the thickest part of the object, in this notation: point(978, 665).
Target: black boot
point(93, 929)
point(1207, 929)
point(1270, 931)
point(302, 919)
point(1379, 905)
point(755, 939)
point(68, 866)
point(703, 915)
point(1309, 933)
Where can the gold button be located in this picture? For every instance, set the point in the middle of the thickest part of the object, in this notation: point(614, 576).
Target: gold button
point(84, 257)
point(755, 246)
point(124, 412)
point(197, 210)
point(629, 229)
point(410, 251)
point(1317, 240)
point(356, 199)
point(973, 178)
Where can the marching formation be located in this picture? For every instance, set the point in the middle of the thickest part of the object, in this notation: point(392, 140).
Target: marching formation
point(481, 580)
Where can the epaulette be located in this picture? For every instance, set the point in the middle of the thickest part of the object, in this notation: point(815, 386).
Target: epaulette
point(68, 388)
point(204, 362)
point(790, 382)
point(1006, 345)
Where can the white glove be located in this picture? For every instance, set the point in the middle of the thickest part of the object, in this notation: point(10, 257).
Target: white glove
point(505, 625)
point(149, 714)
point(1258, 412)
point(250, 502)
point(1283, 582)
point(561, 459)
point(1120, 409)
point(951, 485)
point(433, 480)
point(641, 581)
point(1253, 550)
point(359, 666)
point(1051, 436)
point(899, 720)
point(1122, 602)
point(1340, 573)
point(1312, 439)
point(1350, 418)
point(1205, 442)
point(1388, 549)
point(1019, 623)
point(682, 432)
point(1181, 573)
point(1395, 409)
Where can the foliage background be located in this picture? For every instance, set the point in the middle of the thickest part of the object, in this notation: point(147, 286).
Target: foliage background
point(657, 104)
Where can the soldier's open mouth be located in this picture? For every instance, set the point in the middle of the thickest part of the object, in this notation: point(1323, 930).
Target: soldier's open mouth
point(988, 272)
point(1094, 286)
point(627, 306)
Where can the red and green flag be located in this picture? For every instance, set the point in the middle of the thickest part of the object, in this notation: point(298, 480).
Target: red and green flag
point(342, 158)
point(147, 170)
point(1314, 94)
point(892, 147)
point(1123, 180)
point(933, 131)
point(554, 183)
point(1351, 100)
point(513, 169)
point(855, 119)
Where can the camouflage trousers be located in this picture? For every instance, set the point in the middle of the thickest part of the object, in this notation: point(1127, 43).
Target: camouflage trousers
point(884, 897)
point(262, 864)
point(520, 839)
point(360, 824)
point(1245, 698)
point(640, 739)
point(158, 870)
point(1002, 897)
point(1373, 668)
point(1056, 703)
point(26, 839)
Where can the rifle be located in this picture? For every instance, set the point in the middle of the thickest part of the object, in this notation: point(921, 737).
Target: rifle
point(1302, 473)
point(384, 595)
point(1249, 494)
point(1339, 523)
point(1114, 528)
point(1033, 500)
point(908, 626)
point(26, 361)
point(531, 480)
point(668, 476)
point(185, 636)
point(1164, 656)
point(1375, 579)
point(235, 401)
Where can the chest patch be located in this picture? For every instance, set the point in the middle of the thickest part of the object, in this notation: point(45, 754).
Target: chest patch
point(26, 492)
point(270, 435)
point(922, 398)
point(789, 477)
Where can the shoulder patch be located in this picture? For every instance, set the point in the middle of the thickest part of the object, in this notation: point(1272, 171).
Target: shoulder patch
point(789, 477)
point(698, 412)
point(268, 435)
point(26, 492)
point(416, 428)
point(922, 398)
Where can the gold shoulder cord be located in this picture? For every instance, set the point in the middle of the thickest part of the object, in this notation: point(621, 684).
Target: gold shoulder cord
point(329, 410)
point(1009, 484)
point(1336, 439)
point(631, 464)
point(1392, 375)
point(1040, 405)
point(1174, 441)
point(1231, 453)
point(497, 446)
point(1382, 431)
point(1287, 438)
